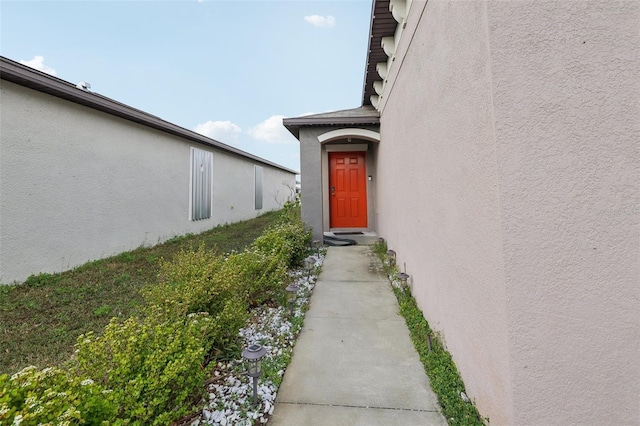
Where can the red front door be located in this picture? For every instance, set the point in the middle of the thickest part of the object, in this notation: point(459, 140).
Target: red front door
point(347, 190)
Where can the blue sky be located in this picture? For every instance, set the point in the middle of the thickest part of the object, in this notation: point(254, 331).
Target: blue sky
point(228, 69)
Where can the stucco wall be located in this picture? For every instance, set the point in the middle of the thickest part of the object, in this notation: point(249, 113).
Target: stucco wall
point(566, 80)
point(311, 180)
point(439, 201)
point(508, 178)
point(77, 184)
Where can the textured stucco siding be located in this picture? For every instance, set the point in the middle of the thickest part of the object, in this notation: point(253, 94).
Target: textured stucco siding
point(438, 194)
point(508, 182)
point(77, 185)
point(566, 78)
point(314, 170)
point(311, 180)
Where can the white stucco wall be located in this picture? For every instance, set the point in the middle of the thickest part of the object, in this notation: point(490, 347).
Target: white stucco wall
point(508, 175)
point(77, 184)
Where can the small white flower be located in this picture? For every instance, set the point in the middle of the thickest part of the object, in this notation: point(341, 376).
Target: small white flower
point(86, 382)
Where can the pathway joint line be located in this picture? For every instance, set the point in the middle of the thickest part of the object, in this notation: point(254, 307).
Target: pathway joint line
point(350, 281)
point(358, 406)
point(353, 318)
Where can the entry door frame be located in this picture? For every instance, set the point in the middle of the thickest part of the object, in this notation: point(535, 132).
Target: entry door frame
point(348, 189)
point(345, 147)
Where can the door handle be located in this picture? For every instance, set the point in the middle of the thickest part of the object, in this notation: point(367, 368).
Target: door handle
point(333, 191)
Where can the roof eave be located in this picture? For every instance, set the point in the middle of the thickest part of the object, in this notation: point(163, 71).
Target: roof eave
point(27, 77)
point(366, 66)
point(293, 125)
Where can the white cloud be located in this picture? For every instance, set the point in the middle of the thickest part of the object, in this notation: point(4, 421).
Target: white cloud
point(321, 21)
point(38, 63)
point(223, 131)
point(271, 130)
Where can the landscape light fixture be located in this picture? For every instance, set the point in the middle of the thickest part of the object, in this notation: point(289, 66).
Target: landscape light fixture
point(253, 355)
point(316, 244)
point(309, 264)
point(403, 277)
point(392, 258)
point(292, 294)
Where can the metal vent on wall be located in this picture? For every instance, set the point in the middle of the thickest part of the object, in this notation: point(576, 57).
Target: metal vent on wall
point(258, 188)
point(201, 183)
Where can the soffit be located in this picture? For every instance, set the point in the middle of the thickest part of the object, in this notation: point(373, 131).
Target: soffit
point(382, 25)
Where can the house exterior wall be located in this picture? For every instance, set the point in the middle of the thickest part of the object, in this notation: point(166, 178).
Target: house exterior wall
point(509, 170)
point(314, 172)
point(438, 177)
point(566, 79)
point(311, 180)
point(78, 184)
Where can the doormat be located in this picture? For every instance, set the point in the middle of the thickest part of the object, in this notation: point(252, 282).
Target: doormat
point(348, 233)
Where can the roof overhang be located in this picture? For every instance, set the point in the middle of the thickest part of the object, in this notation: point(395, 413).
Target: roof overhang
point(383, 25)
point(33, 79)
point(357, 117)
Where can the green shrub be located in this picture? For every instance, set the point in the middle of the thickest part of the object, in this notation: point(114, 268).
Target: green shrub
point(260, 276)
point(288, 241)
point(54, 397)
point(153, 365)
point(147, 369)
point(200, 281)
point(187, 285)
point(290, 212)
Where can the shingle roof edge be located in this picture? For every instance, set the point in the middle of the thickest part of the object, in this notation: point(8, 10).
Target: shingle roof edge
point(370, 118)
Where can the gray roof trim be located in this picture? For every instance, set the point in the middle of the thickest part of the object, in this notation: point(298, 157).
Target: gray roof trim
point(306, 122)
point(363, 116)
point(28, 77)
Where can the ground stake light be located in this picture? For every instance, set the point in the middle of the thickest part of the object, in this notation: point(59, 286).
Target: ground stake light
point(403, 277)
point(309, 264)
point(316, 244)
point(253, 355)
point(292, 294)
point(392, 258)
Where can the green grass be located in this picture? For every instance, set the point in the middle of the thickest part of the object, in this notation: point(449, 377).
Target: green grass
point(41, 319)
point(437, 361)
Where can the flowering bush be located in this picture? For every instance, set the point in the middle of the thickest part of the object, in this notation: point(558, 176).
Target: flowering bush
point(53, 397)
point(154, 366)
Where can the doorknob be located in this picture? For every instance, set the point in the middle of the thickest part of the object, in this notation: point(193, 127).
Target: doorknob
point(333, 191)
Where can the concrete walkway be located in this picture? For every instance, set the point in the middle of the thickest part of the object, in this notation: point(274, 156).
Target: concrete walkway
point(353, 363)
